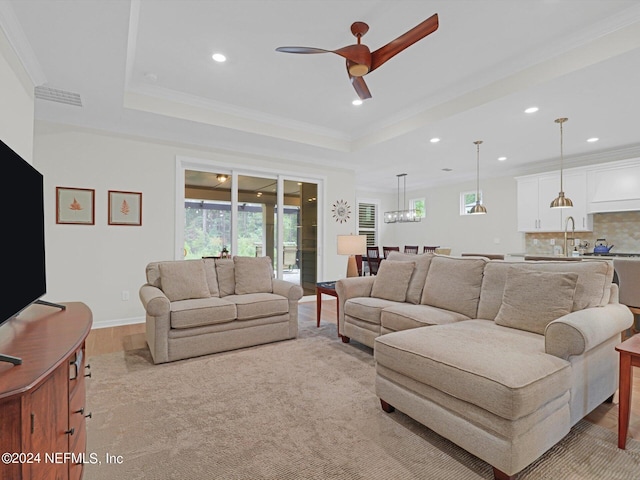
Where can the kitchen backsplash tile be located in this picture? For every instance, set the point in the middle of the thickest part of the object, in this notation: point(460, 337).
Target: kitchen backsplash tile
point(620, 229)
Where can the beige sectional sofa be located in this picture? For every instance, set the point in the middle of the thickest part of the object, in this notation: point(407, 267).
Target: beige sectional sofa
point(502, 358)
point(198, 307)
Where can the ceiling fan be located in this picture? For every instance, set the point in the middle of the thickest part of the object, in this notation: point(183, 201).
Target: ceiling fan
point(361, 60)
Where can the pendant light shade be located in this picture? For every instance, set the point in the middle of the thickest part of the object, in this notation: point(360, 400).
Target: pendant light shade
point(561, 201)
point(478, 208)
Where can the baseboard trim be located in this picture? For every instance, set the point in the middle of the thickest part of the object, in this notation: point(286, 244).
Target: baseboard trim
point(117, 322)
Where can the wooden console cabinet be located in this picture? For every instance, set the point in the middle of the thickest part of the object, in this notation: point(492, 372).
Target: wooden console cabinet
point(42, 401)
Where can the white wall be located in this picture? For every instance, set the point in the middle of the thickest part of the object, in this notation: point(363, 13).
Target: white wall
point(94, 264)
point(16, 102)
point(445, 226)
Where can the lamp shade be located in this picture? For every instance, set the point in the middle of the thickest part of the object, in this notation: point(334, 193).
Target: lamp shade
point(352, 244)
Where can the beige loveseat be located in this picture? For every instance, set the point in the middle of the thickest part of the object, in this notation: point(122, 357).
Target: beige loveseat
point(198, 307)
point(501, 358)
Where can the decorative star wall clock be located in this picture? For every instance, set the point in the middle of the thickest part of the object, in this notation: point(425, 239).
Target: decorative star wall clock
point(341, 211)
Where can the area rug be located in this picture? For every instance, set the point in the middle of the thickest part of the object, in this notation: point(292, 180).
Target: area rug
point(298, 409)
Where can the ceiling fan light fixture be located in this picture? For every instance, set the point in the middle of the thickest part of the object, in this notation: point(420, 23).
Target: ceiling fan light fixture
point(561, 201)
point(358, 70)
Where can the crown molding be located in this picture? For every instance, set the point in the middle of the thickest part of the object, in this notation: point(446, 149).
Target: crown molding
point(21, 46)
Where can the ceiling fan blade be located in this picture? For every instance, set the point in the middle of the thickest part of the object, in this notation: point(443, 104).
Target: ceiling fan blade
point(360, 87)
point(302, 50)
point(405, 40)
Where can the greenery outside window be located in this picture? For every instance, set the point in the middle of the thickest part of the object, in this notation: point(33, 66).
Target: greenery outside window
point(418, 205)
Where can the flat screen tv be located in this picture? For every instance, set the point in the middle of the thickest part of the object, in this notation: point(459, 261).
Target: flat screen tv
point(23, 235)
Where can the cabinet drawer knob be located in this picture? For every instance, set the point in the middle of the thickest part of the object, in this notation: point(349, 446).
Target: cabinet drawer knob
point(71, 431)
point(81, 411)
point(89, 415)
point(88, 375)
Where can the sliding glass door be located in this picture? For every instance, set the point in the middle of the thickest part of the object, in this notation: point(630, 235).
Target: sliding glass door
point(238, 214)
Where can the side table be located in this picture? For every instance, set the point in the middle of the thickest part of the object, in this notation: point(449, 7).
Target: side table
point(629, 357)
point(328, 288)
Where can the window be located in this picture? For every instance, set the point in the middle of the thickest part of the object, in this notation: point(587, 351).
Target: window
point(367, 221)
point(467, 201)
point(417, 204)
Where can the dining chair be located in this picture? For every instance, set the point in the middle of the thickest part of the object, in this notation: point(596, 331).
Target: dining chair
point(411, 249)
point(359, 264)
point(430, 249)
point(386, 250)
point(373, 259)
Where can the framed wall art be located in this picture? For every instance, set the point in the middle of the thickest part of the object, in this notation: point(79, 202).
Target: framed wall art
point(75, 206)
point(125, 208)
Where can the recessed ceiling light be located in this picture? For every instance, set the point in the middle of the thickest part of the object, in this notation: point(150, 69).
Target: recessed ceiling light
point(434, 140)
point(531, 110)
point(357, 102)
point(502, 159)
point(218, 57)
point(592, 139)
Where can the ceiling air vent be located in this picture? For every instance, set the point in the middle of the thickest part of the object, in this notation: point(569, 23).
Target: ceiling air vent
point(56, 95)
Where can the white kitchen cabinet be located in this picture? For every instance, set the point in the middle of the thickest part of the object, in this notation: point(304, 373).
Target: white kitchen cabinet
point(614, 187)
point(535, 194)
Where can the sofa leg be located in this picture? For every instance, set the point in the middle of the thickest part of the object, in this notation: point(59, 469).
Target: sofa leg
point(386, 407)
point(345, 339)
point(500, 475)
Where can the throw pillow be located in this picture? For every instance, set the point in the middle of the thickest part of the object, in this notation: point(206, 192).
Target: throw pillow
point(392, 280)
point(454, 284)
point(226, 276)
point(416, 284)
point(531, 300)
point(183, 279)
point(253, 275)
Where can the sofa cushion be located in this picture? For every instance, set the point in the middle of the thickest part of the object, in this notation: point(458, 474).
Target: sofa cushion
point(184, 279)
point(502, 370)
point(258, 305)
point(392, 280)
point(226, 276)
point(212, 278)
point(454, 284)
point(253, 275)
point(406, 316)
point(419, 275)
point(593, 288)
point(367, 309)
point(532, 300)
point(201, 311)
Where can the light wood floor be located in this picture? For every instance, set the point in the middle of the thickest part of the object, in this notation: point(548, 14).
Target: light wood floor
point(131, 337)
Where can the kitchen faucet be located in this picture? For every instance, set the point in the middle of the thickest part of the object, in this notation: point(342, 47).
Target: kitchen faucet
point(573, 233)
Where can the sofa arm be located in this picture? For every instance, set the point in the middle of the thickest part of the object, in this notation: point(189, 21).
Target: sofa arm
point(353, 287)
point(154, 301)
point(579, 332)
point(287, 289)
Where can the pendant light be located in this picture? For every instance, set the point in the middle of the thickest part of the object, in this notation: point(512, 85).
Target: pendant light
point(402, 216)
point(478, 209)
point(561, 201)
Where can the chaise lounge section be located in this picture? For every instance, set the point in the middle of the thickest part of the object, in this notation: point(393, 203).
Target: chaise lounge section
point(199, 307)
point(501, 358)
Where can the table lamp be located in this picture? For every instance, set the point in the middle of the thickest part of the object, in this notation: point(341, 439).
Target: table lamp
point(352, 245)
